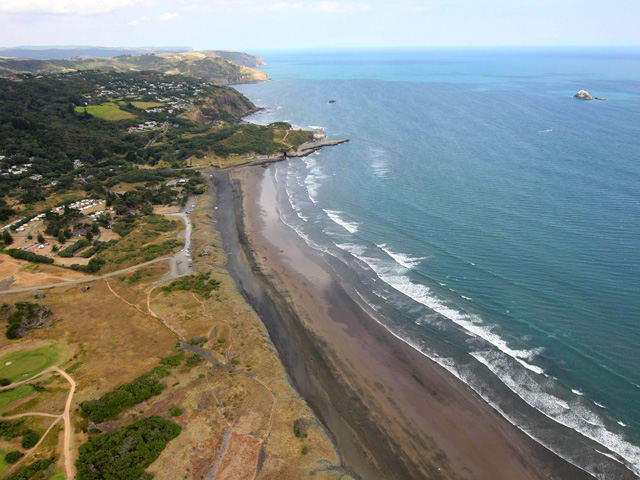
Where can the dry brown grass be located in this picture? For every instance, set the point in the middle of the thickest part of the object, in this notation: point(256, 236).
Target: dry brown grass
point(110, 338)
point(20, 273)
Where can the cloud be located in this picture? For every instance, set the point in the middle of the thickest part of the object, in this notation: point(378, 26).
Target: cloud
point(339, 7)
point(411, 6)
point(166, 17)
point(64, 7)
point(286, 6)
point(138, 21)
point(257, 6)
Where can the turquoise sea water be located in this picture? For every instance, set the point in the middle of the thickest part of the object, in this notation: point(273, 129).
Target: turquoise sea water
point(492, 221)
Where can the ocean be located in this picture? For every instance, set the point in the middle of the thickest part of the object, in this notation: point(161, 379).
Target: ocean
point(492, 221)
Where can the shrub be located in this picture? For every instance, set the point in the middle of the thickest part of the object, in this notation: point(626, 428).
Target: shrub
point(28, 256)
point(126, 453)
point(193, 360)
point(30, 471)
point(13, 457)
point(175, 411)
point(29, 438)
point(126, 395)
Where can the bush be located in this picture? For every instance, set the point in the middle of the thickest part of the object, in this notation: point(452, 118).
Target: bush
point(70, 250)
point(193, 360)
point(28, 256)
point(6, 237)
point(10, 429)
point(175, 411)
point(30, 471)
point(173, 361)
point(126, 395)
point(4, 382)
point(13, 457)
point(126, 453)
point(29, 438)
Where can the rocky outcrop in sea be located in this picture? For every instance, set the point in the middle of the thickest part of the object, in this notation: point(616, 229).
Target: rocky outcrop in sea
point(584, 95)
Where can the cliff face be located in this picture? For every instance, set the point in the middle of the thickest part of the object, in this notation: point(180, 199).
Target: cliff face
point(227, 104)
point(203, 65)
point(240, 58)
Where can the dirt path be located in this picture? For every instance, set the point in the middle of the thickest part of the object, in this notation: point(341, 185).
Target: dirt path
point(85, 280)
point(68, 448)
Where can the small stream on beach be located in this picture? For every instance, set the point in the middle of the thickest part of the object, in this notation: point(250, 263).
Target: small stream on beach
point(491, 221)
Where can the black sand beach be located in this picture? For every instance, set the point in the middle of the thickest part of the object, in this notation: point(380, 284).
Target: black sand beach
point(393, 413)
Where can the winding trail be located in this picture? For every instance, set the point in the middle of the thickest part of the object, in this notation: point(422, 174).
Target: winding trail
point(68, 447)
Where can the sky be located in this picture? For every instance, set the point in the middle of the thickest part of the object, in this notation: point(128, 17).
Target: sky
point(250, 25)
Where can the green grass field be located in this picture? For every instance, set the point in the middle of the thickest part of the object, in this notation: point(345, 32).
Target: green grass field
point(9, 396)
point(3, 465)
point(25, 364)
point(106, 111)
point(145, 105)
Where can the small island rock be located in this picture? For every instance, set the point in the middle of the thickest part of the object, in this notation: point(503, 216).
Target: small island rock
point(583, 95)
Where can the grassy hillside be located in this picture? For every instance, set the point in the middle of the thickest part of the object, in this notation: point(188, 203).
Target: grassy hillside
point(206, 65)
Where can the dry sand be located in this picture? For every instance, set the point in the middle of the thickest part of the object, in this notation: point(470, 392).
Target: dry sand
point(393, 413)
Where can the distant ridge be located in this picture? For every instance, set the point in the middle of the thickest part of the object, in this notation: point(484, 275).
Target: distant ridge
point(61, 52)
point(218, 66)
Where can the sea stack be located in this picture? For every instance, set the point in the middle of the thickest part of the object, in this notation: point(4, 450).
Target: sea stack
point(583, 95)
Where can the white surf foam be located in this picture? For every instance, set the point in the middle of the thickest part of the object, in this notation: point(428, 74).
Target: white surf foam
point(353, 249)
point(334, 215)
point(407, 261)
point(471, 323)
point(577, 417)
point(577, 392)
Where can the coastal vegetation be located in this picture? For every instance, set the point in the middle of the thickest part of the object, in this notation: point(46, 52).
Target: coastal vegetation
point(201, 284)
point(79, 140)
point(126, 395)
point(24, 316)
point(30, 471)
point(91, 194)
point(207, 65)
point(127, 452)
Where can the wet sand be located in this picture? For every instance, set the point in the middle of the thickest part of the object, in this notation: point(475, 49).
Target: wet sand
point(393, 413)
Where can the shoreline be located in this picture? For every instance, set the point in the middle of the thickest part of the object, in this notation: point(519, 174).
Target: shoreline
point(392, 412)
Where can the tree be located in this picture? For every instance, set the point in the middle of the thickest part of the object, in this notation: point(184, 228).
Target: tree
point(6, 237)
point(89, 235)
point(13, 457)
point(40, 238)
point(29, 438)
point(61, 237)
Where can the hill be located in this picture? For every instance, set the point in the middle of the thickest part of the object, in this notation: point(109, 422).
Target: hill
point(207, 65)
point(49, 52)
